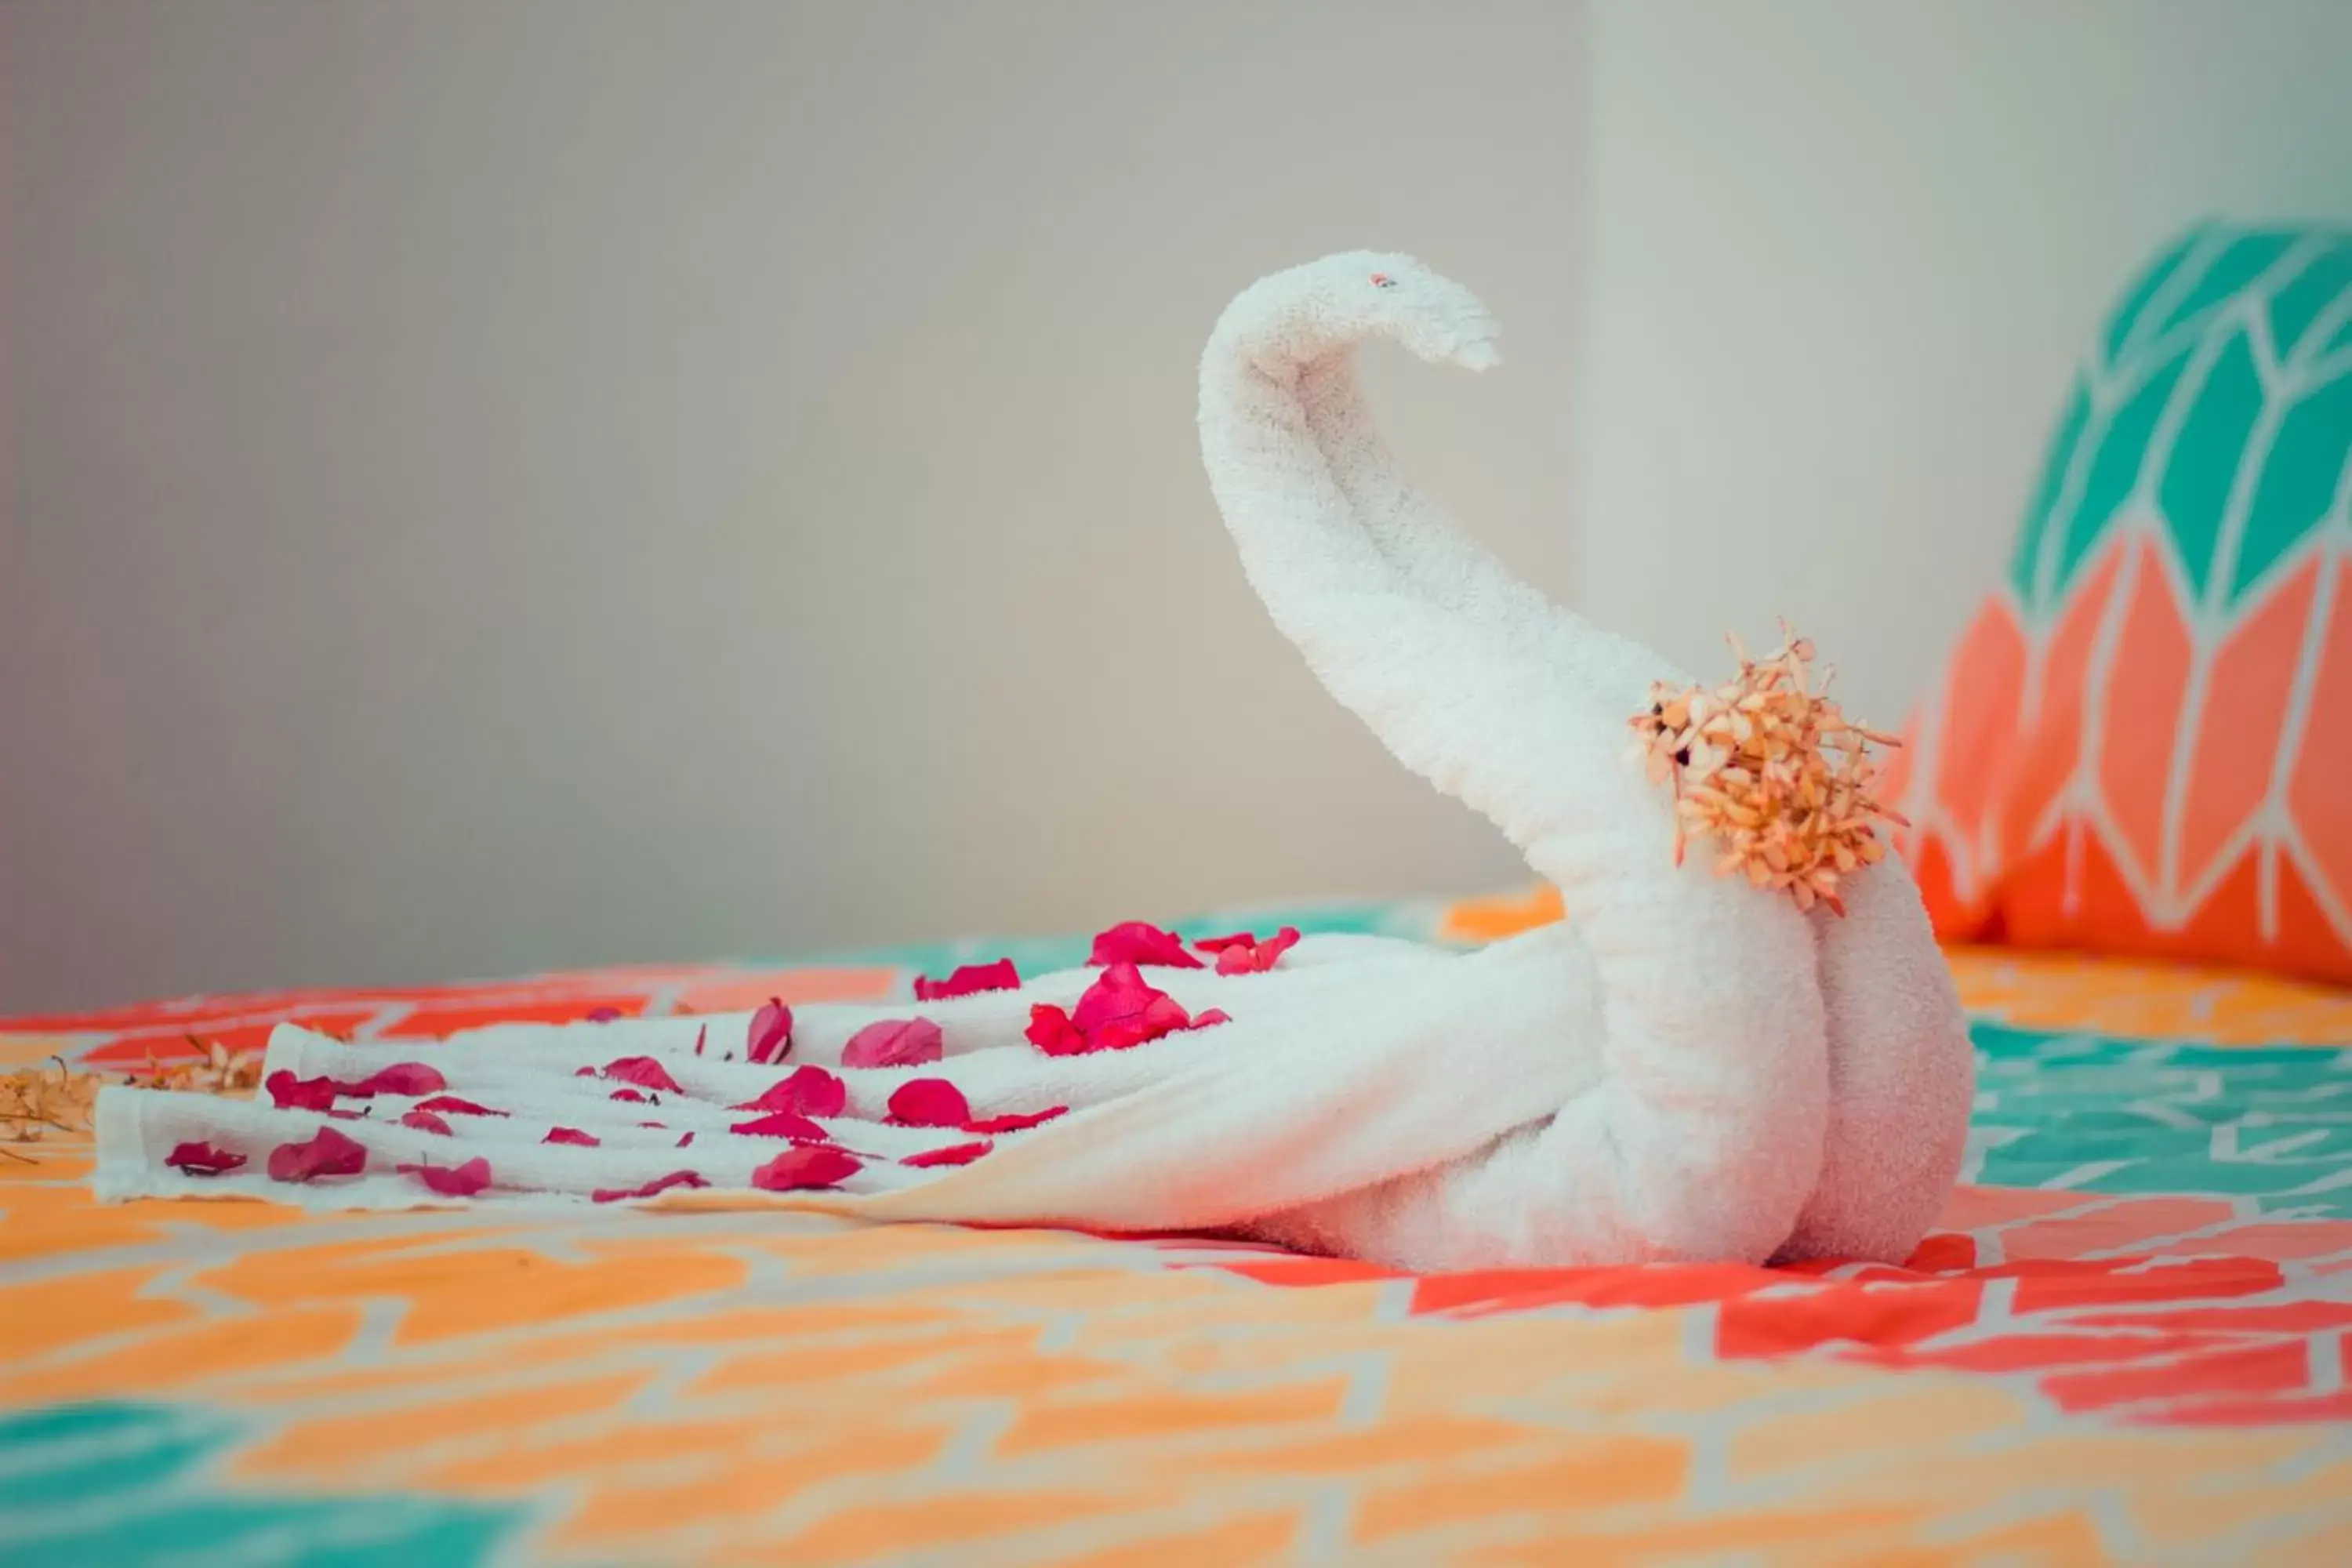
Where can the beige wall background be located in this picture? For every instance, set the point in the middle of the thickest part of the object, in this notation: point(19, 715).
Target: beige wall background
point(499, 484)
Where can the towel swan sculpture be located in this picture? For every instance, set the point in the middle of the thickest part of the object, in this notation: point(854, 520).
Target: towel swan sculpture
point(1687, 1067)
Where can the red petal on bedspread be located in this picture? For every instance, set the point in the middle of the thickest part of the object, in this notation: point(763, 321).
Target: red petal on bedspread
point(573, 1135)
point(290, 1093)
point(643, 1071)
point(326, 1154)
point(1139, 941)
point(809, 1089)
point(452, 1181)
point(1122, 1009)
point(1244, 954)
point(400, 1078)
point(202, 1160)
point(1016, 1123)
point(768, 1037)
point(1051, 1031)
point(653, 1188)
point(630, 1095)
point(955, 1154)
point(804, 1167)
point(781, 1124)
point(894, 1043)
point(969, 980)
point(930, 1102)
point(451, 1105)
point(425, 1121)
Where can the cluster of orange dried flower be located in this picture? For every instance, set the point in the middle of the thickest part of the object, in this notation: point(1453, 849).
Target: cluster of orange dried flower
point(1770, 769)
point(50, 1097)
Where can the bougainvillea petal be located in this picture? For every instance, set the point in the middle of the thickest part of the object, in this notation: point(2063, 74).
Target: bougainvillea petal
point(653, 1188)
point(1219, 943)
point(1139, 941)
point(630, 1095)
point(643, 1071)
point(955, 1154)
point(770, 1036)
point(573, 1135)
point(930, 1102)
point(584, 1072)
point(657, 1126)
point(202, 1160)
point(452, 1181)
point(993, 1125)
point(685, 1140)
point(451, 1105)
point(401, 1077)
point(602, 1015)
point(290, 1093)
point(806, 1166)
point(809, 1089)
point(781, 1124)
point(701, 1038)
point(1215, 1015)
point(969, 980)
point(1244, 954)
point(1051, 1031)
point(894, 1043)
point(425, 1121)
point(325, 1154)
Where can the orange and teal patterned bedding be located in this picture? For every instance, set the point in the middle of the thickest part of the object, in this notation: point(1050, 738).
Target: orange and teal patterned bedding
point(2126, 1343)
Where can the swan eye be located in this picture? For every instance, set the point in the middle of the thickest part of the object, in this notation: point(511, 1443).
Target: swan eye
point(1382, 280)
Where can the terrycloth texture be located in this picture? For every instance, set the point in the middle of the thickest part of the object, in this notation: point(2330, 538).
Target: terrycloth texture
point(1688, 1069)
point(2130, 750)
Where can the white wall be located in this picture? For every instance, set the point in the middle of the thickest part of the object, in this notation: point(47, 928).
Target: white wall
point(1843, 258)
point(493, 484)
point(502, 484)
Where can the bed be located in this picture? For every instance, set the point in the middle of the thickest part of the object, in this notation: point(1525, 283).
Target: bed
point(2124, 1341)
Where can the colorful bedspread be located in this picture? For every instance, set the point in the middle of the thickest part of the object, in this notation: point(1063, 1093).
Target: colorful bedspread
point(2128, 1342)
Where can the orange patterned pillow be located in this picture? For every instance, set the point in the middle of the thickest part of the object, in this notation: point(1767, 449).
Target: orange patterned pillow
point(2144, 742)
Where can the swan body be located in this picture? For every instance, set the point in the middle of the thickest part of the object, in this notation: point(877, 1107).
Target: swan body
point(1684, 1068)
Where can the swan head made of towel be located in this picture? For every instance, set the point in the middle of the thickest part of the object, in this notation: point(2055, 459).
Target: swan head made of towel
point(1687, 1067)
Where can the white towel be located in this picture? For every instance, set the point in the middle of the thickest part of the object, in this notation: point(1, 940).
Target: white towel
point(1687, 1068)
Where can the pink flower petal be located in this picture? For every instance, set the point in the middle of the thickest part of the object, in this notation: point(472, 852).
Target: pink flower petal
point(809, 1089)
point(894, 1043)
point(401, 1077)
point(584, 1072)
point(1139, 941)
point(202, 1160)
point(290, 1093)
point(1247, 955)
point(326, 1154)
point(806, 1165)
point(1122, 1010)
point(1016, 1123)
point(1215, 1015)
point(602, 1015)
point(643, 1071)
point(770, 1036)
point(1219, 943)
point(685, 1140)
point(653, 1188)
point(631, 1095)
point(930, 1102)
point(969, 980)
point(781, 1124)
point(657, 1126)
point(451, 1105)
point(573, 1135)
point(425, 1121)
point(701, 1038)
point(957, 1154)
point(1051, 1031)
point(452, 1181)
